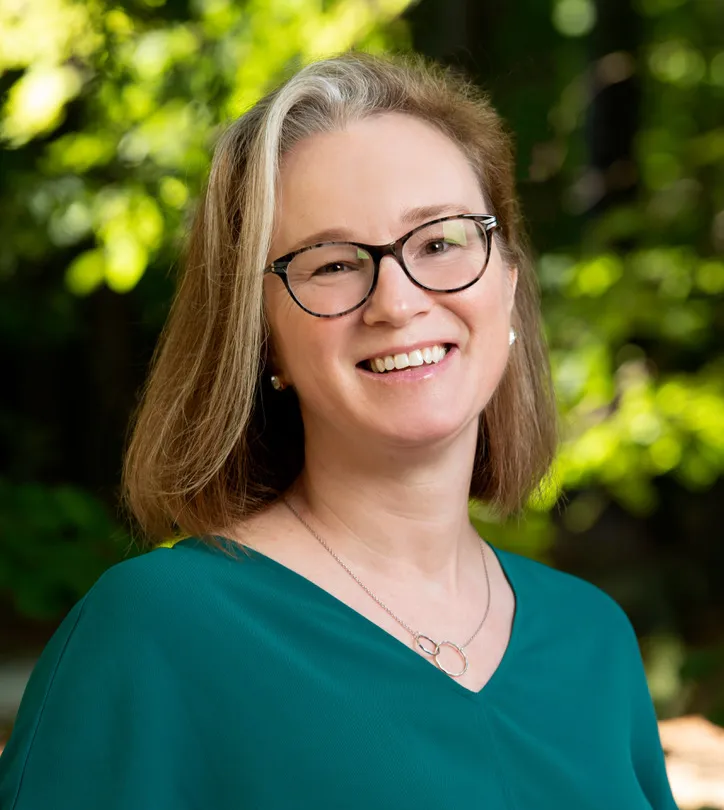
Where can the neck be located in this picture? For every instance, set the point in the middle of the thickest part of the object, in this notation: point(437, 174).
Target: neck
point(397, 513)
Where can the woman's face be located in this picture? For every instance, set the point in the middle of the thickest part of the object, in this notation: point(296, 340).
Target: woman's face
point(372, 182)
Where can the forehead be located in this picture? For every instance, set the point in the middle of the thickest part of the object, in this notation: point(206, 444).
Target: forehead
point(361, 179)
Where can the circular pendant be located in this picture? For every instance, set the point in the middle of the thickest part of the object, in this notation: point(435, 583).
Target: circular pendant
point(459, 651)
point(434, 649)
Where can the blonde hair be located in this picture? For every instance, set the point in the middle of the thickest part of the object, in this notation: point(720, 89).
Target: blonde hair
point(212, 443)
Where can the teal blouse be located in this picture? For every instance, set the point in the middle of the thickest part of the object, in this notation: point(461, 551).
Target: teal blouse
point(190, 678)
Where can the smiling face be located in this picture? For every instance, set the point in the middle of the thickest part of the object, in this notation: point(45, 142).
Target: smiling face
point(372, 182)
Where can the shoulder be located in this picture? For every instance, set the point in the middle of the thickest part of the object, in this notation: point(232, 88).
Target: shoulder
point(120, 674)
point(142, 613)
point(163, 567)
point(164, 582)
point(157, 595)
point(568, 599)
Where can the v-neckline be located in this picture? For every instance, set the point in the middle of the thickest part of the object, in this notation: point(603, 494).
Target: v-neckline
point(504, 560)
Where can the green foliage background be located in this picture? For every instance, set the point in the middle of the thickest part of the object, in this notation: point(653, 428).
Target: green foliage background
point(109, 115)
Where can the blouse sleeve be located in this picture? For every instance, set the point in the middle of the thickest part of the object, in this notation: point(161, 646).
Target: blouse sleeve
point(101, 724)
point(646, 749)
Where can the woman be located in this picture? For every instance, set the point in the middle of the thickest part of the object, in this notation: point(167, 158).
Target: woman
point(353, 352)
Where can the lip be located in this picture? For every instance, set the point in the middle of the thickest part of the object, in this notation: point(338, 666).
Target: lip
point(413, 373)
point(411, 347)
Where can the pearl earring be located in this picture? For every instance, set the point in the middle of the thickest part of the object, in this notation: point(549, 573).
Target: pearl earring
point(512, 337)
point(277, 383)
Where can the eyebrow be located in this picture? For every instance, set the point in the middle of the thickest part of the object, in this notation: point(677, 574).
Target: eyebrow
point(410, 216)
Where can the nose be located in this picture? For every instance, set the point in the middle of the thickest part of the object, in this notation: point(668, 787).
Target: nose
point(396, 300)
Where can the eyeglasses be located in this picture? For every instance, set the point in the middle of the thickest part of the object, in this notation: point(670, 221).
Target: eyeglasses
point(331, 279)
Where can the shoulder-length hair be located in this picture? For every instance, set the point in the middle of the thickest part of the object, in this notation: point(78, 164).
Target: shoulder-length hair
point(212, 443)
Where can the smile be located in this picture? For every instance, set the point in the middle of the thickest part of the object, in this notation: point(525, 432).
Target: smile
point(430, 355)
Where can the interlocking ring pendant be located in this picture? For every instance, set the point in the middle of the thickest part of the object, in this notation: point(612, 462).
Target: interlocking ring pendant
point(434, 651)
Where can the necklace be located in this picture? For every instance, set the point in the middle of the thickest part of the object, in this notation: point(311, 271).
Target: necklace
point(425, 643)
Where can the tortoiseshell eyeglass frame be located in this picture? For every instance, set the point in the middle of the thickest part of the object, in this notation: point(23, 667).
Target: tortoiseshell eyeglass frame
point(377, 252)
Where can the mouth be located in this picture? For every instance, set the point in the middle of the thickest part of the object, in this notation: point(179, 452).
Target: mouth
point(390, 363)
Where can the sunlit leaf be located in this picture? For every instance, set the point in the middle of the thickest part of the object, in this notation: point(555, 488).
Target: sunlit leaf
point(574, 18)
point(36, 102)
point(126, 259)
point(86, 272)
point(46, 32)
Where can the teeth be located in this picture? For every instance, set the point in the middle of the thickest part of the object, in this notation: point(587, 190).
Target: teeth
point(418, 357)
point(415, 358)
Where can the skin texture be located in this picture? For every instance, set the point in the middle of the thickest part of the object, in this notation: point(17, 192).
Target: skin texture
point(389, 461)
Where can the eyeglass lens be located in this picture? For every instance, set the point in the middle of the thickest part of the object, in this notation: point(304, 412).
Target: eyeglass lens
point(442, 256)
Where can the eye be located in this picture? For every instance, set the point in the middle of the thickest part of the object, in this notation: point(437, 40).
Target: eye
point(332, 268)
point(435, 246)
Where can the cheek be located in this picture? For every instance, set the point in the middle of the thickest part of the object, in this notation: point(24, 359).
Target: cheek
point(488, 320)
point(282, 319)
point(489, 312)
point(501, 277)
point(302, 344)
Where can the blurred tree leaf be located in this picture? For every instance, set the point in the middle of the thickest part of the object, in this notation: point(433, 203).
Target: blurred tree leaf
point(50, 552)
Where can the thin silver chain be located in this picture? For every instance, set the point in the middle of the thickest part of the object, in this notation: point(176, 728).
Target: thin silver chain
point(407, 627)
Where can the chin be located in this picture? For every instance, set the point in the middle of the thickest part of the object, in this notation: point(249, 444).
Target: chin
point(420, 432)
